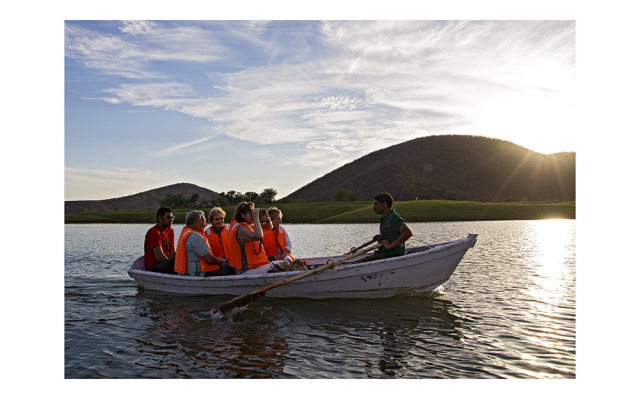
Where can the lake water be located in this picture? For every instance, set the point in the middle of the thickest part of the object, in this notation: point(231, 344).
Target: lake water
point(508, 311)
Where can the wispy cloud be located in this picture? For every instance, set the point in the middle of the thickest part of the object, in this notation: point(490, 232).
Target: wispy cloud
point(340, 89)
point(103, 183)
point(377, 74)
point(167, 95)
point(132, 53)
point(183, 146)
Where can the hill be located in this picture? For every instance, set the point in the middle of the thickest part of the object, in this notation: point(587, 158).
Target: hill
point(451, 167)
point(140, 201)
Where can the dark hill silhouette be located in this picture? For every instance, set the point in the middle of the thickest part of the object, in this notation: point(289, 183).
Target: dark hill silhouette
point(140, 201)
point(451, 167)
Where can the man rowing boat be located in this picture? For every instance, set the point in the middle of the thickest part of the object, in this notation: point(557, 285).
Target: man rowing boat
point(394, 232)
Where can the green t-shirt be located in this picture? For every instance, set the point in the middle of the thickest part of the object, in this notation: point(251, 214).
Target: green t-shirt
point(390, 225)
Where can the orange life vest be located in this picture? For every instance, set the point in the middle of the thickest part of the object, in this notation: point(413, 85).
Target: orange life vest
point(180, 265)
point(253, 249)
point(274, 240)
point(219, 241)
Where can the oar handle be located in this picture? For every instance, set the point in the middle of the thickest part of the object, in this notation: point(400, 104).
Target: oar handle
point(329, 264)
point(249, 297)
point(354, 249)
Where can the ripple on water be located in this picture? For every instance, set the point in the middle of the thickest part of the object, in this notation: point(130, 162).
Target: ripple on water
point(508, 311)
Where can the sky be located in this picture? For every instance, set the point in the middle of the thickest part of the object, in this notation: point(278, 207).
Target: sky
point(246, 105)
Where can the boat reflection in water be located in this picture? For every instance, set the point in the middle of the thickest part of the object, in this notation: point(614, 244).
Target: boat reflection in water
point(412, 333)
point(245, 344)
point(507, 311)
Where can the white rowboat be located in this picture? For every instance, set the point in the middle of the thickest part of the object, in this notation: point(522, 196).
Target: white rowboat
point(420, 269)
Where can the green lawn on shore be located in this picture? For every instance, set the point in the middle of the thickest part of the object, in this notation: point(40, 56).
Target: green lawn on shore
point(362, 212)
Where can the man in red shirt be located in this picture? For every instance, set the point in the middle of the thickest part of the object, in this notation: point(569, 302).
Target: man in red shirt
point(159, 249)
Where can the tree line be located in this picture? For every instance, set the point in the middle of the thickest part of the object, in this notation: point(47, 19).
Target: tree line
point(267, 196)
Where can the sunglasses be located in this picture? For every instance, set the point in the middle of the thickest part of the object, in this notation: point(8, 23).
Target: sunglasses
point(170, 217)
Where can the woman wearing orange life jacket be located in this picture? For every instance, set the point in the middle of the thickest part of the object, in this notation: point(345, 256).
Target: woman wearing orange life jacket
point(246, 252)
point(217, 233)
point(193, 253)
point(276, 241)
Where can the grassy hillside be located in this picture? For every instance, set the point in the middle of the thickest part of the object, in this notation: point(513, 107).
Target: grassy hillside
point(361, 212)
point(139, 201)
point(451, 167)
point(443, 210)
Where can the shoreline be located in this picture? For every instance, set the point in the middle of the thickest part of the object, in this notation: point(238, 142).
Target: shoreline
point(361, 212)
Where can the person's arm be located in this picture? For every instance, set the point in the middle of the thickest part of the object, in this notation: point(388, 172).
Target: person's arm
point(210, 258)
point(405, 233)
point(267, 225)
point(203, 250)
point(173, 246)
point(159, 254)
point(247, 234)
point(155, 242)
point(287, 246)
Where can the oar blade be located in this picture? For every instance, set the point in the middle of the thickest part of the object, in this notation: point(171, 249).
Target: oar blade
point(238, 302)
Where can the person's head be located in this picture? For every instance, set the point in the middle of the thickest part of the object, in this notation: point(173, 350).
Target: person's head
point(382, 203)
point(164, 216)
point(275, 215)
point(243, 212)
point(216, 217)
point(195, 220)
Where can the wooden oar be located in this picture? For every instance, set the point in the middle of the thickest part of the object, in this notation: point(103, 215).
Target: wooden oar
point(249, 297)
point(354, 249)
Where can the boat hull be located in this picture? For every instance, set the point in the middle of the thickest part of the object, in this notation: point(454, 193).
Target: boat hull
point(421, 269)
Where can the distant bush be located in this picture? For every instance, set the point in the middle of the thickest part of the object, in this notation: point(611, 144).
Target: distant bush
point(175, 201)
point(344, 195)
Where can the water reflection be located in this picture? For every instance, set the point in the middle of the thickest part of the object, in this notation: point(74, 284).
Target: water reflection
point(507, 311)
point(248, 344)
point(408, 336)
point(553, 241)
point(551, 267)
point(548, 317)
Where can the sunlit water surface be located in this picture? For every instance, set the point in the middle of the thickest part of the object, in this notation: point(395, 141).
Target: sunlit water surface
point(508, 311)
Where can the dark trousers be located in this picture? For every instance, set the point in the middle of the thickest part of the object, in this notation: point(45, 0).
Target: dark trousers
point(225, 269)
point(166, 266)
